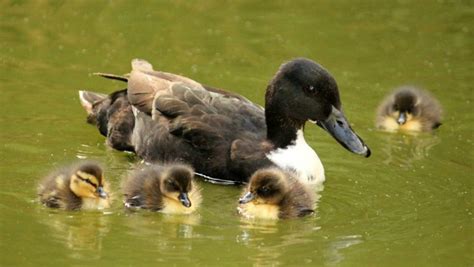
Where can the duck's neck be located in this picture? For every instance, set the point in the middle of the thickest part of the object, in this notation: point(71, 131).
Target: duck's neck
point(281, 131)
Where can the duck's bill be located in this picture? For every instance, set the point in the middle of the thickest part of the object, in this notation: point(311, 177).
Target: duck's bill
point(339, 128)
point(184, 199)
point(246, 198)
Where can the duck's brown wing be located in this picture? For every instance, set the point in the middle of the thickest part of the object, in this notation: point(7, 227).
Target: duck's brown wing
point(192, 111)
point(145, 85)
point(204, 119)
point(216, 131)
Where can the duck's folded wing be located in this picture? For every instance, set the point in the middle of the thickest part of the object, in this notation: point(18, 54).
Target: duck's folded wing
point(206, 120)
point(145, 85)
point(248, 154)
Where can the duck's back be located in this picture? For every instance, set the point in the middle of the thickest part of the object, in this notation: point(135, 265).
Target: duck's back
point(178, 119)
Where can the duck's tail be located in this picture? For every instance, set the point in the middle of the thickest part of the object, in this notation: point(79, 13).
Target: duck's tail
point(123, 78)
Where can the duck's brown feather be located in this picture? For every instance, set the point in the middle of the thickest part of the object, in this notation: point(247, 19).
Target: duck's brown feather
point(195, 123)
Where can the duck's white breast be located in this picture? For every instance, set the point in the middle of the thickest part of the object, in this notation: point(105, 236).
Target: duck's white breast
point(301, 159)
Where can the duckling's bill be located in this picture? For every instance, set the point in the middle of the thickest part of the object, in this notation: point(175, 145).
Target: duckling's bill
point(247, 198)
point(101, 192)
point(402, 118)
point(184, 199)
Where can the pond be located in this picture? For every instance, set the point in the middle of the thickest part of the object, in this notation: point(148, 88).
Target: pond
point(409, 204)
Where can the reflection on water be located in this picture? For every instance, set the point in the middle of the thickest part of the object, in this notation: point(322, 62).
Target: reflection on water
point(165, 235)
point(269, 240)
point(271, 243)
point(149, 223)
point(425, 215)
point(81, 233)
point(254, 234)
point(333, 253)
point(404, 149)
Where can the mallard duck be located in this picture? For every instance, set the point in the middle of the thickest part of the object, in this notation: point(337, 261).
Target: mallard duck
point(166, 188)
point(274, 194)
point(224, 136)
point(81, 186)
point(410, 109)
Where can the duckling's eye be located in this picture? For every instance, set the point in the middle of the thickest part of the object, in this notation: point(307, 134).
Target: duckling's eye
point(172, 186)
point(263, 191)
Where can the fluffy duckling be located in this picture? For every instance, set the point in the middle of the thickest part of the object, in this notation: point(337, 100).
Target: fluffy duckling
point(80, 186)
point(165, 188)
point(410, 109)
point(273, 194)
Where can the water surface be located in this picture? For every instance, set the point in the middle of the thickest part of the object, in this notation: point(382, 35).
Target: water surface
point(410, 204)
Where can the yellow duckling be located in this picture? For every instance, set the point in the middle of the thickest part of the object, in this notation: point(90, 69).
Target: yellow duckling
point(80, 186)
point(164, 188)
point(409, 109)
point(274, 194)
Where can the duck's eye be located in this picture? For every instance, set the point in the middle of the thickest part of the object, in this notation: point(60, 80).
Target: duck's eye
point(309, 89)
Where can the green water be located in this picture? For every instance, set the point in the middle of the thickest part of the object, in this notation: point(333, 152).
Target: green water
point(410, 204)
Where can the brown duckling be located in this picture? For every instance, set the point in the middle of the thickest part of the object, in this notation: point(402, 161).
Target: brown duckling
point(409, 109)
point(274, 194)
point(81, 186)
point(164, 188)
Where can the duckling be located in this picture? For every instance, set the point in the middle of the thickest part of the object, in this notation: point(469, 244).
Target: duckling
point(165, 188)
point(273, 194)
point(81, 186)
point(409, 109)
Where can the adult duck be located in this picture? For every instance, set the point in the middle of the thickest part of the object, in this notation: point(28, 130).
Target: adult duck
point(224, 136)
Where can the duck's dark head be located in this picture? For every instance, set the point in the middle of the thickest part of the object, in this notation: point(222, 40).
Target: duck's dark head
point(302, 91)
point(112, 115)
point(266, 186)
point(177, 183)
point(404, 106)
